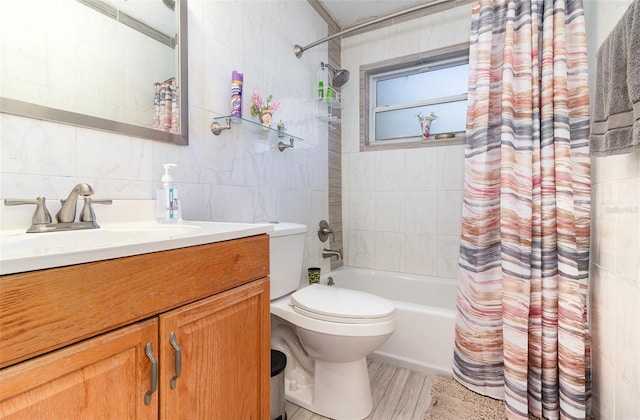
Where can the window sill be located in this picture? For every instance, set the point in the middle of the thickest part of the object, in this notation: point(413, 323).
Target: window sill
point(395, 145)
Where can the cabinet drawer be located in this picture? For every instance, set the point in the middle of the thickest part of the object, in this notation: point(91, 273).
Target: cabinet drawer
point(44, 310)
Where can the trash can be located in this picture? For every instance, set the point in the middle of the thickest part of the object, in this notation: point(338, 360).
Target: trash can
point(278, 363)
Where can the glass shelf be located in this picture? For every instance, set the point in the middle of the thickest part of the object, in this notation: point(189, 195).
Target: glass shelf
point(333, 103)
point(329, 118)
point(227, 122)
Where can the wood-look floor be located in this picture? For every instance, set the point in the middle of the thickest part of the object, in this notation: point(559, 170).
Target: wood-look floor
point(398, 394)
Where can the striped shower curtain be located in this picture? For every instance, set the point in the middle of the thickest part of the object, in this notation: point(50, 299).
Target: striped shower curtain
point(166, 107)
point(521, 326)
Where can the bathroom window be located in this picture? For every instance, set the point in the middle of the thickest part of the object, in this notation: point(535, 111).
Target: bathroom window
point(395, 92)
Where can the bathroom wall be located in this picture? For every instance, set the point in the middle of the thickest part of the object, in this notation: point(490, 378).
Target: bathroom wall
point(615, 256)
point(401, 208)
point(237, 176)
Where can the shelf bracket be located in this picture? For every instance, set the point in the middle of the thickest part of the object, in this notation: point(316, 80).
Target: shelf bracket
point(282, 146)
point(217, 128)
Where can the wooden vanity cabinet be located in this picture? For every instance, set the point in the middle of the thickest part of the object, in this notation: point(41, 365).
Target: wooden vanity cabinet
point(226, 361)
point(217, 340)
point(95, 379)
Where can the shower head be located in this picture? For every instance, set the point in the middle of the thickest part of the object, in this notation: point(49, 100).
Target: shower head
point(171, 4)
point(338, 77)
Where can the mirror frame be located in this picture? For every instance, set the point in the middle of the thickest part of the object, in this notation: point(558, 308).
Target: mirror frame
point(26, 109)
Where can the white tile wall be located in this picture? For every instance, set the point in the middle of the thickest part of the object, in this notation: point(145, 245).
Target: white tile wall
point(615, 257)
point(402, 208)
point(237, 176)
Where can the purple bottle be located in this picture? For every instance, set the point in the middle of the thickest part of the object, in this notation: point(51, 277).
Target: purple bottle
point(236, 94)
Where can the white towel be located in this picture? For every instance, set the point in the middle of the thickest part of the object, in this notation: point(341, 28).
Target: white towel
point(615, 127)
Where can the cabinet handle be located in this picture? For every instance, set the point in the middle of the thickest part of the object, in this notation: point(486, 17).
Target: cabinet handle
point(177, 360)
point(154, 373)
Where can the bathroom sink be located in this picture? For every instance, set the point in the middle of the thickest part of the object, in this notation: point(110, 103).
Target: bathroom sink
point(127, 227)
point(52, 242)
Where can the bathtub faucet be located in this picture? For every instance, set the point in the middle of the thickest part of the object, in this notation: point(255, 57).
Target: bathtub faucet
point(328, 253)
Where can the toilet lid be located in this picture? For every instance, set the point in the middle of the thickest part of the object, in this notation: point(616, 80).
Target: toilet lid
point(336, 304)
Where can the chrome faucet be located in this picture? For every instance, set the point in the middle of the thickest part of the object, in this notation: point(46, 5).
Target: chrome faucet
point(42, 221)
point(67, 213)
point(328, 253)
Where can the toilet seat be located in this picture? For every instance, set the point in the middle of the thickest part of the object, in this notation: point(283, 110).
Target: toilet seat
point(335, 304)
point(282, 309)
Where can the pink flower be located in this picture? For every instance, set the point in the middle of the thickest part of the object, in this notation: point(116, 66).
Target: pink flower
point(258, 104)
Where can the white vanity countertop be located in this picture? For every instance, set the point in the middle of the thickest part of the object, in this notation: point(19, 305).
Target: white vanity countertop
point(118, 236)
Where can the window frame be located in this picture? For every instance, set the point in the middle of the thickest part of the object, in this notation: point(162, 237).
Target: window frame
point(369, 74)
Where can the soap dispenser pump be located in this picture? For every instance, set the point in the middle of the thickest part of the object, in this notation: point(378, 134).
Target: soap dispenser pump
point(167, 201)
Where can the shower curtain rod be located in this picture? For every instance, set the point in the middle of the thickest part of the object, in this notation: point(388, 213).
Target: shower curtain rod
point(298, 50)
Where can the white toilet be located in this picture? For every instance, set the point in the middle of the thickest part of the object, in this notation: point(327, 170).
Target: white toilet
point(325, 331)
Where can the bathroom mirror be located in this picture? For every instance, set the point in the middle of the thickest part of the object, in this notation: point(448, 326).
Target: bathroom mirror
point(113, 65)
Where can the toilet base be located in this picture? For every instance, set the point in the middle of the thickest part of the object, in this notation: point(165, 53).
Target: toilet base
point(339, 390)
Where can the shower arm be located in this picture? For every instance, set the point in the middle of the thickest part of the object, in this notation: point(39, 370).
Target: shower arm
point(298, 50)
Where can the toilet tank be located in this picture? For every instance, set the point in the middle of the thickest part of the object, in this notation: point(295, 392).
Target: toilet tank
point(286, 253)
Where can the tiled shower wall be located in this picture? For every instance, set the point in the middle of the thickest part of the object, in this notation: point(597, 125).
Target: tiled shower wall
point(615, 256)
point(402, 208)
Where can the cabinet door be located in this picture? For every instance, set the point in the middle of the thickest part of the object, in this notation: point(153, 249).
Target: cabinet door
point(225, 357)
point(105, 377)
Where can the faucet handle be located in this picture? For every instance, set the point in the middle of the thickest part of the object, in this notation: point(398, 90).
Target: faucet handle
point(87, 214)
point(41, 216)
point(324, 231)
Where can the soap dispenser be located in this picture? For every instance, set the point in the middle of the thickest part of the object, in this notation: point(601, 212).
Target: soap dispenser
point(167, 201)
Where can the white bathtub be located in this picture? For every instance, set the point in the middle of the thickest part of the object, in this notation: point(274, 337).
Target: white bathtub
point(425, 314)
